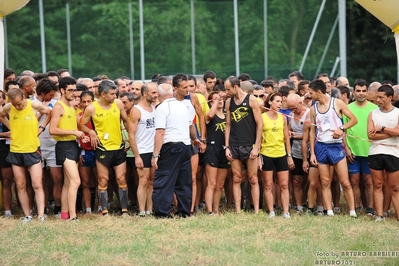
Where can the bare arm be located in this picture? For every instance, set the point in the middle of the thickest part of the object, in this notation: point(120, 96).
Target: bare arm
point(200, 114)
point(258, 120)
point(5, 110)
point(158, 141)
point(45, 110)
point(348, 113)
point(227, 131)
point(286, 137)
point(373, 132)
point(312, 137)
point(211, 113)
point(133, 121)
point(87, 115)
point(305, 145)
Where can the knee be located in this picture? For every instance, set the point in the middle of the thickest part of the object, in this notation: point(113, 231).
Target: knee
point(377, 185)
point(354, 182)
point(346, 185)
point(85, 183)
point(143, 182)
point(325, 183)
point(283, 185)
point(6, 183)
point(57, 179)
point(297, 183)
point(74, 182)
point(37, 185)
point(253, 180)
point(268, 186)
point(313, 185)
point(368, 184)
point(103, 183)
point(237, 179)
point(394, 188)
point(211, 185)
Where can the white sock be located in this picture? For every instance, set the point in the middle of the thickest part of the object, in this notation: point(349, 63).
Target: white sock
point(7, 212)
point(352, 212)
point(330, 213)
point(320, 208)
point(88, 210)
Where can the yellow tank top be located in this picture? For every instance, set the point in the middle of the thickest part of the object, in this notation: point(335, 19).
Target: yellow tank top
point(67, 121)
point(108, 126)
point(273, 145)
point(24, 130)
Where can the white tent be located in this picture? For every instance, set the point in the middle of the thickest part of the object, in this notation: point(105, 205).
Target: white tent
point(6, 8)
point(388, 12)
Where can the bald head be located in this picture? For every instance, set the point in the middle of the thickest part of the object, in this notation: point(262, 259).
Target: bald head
point(247, 87)
point(342, 81)
point(374, 86)
point(136, 89)
point(372, 92)
point(293, 99)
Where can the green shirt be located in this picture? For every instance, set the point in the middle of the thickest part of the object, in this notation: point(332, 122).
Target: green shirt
point(359, 147)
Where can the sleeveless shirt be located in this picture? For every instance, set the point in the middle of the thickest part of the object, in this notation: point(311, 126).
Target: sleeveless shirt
point(145, 131)
point(67, 122)
point(297, 127)
point(107, 126)
point(243, 126)
point(273, 144)
point(215, 131)
point(24, 129)
point(327, 123)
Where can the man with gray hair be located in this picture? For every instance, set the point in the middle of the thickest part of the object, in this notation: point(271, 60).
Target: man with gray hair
point(106, 114)
point(172, 155)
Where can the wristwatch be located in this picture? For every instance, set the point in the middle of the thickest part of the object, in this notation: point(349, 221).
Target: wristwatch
point(342, 128)
point(43, 128)
point(155, 155)
point(289, 154)
point(382, 128)
point(203, 141)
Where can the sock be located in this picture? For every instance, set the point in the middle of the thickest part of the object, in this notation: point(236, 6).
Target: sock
point(370, 210)
point(79, 197)
point(123, 192)
point(88, 210)
point(7, 212)
point(93, 197)
point(320, 208)
point(299, 208)
point(330, 213)
point(57, 209)
point(272, 213)
point(353, 212)
point(64, 215)
point(103, 198)
point(311, 209)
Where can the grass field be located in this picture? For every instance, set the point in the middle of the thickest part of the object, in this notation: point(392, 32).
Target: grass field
point(229, 239)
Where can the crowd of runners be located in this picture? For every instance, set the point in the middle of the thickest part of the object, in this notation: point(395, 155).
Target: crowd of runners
point(176, 146)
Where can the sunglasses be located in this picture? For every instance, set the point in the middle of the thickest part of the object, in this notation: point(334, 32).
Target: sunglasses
point(259, 96)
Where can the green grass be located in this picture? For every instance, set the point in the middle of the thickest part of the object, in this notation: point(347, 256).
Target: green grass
point(229, 239)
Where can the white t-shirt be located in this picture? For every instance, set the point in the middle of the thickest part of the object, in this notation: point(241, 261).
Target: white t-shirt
point(173, 116)
point(390, 120)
